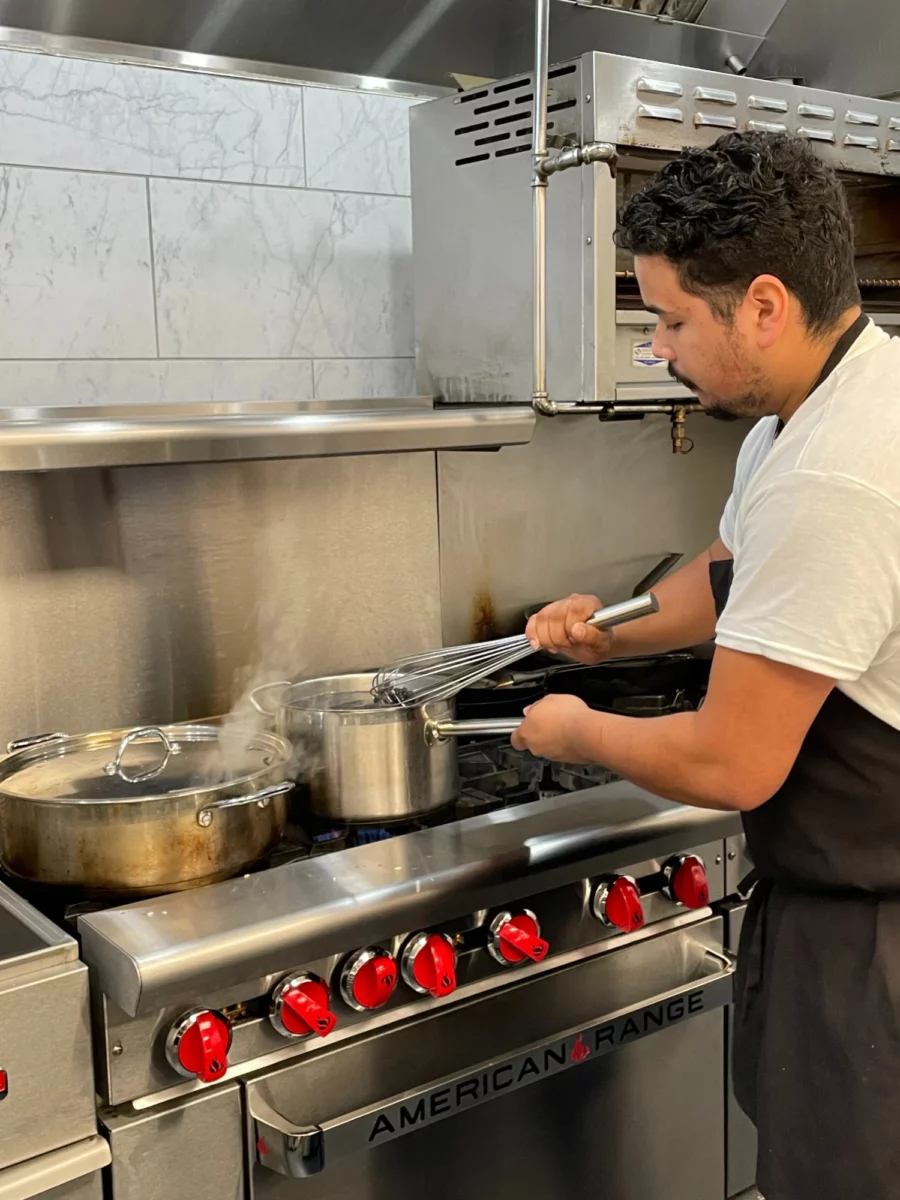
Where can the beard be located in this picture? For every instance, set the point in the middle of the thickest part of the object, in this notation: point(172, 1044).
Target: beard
point(750, 404)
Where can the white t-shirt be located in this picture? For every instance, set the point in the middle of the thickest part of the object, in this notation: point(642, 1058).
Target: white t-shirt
point(814, 527)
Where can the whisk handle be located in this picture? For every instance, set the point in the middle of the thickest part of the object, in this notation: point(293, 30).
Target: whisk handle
point(626, 610)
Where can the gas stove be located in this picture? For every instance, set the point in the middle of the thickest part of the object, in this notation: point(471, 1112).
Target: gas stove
point(365, 983)
point(494, 776)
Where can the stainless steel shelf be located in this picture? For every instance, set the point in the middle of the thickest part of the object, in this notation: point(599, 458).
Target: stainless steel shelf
point(53, 439)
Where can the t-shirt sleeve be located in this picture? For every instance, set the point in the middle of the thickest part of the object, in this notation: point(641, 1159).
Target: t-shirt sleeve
point(817, 578)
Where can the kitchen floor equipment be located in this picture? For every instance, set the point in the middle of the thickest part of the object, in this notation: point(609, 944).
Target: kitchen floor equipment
point(421, 679)
point(142, 811)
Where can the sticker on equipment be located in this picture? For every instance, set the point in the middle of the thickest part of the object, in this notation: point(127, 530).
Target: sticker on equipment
point(642, 355)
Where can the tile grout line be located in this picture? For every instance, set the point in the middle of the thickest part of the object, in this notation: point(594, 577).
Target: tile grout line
point(354, 358)
point(303, 136)
point(313, 389)
point(153, 268)
point(240, 183)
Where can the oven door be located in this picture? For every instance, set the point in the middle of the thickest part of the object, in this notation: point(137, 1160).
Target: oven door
point(602, 1079)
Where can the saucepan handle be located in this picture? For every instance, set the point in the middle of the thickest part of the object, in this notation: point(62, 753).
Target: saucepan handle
point(441, 731)
point(260, 799)
point(39, 739)
point(267, 687)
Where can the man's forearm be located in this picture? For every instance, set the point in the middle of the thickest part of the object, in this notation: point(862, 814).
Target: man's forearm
point(686, 617)
point(664, 755)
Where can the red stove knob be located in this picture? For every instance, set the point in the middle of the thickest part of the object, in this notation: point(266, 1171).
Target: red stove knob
point(198, 1043)
point(429, 964)
point(300, 1007)
point(516, 938)
point(686, 881)
point(369, 978)
point(617, 903)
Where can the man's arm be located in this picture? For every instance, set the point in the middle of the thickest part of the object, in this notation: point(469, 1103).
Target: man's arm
point(733, 754)
point(686, 617)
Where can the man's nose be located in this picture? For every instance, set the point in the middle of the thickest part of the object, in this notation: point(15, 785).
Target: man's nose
point(661, 348)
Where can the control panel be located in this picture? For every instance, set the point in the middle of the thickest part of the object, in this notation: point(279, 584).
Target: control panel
point(392, 979)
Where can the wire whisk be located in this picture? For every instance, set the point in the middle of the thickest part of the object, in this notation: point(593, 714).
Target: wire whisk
point(439, 674)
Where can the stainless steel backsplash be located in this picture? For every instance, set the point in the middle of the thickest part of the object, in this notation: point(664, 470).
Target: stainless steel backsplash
point(154, 594)
point(586, 507)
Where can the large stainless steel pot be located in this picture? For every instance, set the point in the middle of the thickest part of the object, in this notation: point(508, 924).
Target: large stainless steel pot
point(145, 810)
point(367, 762)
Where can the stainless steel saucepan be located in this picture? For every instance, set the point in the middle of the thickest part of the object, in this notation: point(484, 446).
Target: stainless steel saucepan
point(365, 762)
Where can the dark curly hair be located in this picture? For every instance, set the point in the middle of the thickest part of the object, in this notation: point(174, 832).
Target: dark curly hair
point(752, 204)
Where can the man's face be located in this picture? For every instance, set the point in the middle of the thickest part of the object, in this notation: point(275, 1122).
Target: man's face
point(715, 359)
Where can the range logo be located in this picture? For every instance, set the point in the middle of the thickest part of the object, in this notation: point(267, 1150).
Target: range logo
point(580, 1051)
point(491, 1080)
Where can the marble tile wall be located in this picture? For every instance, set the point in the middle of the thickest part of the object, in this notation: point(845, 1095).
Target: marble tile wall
point(168, 235)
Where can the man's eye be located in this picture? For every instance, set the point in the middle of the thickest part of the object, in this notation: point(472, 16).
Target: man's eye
point(675, 326)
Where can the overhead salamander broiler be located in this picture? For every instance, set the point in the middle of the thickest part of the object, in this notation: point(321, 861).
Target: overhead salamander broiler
point(521, 296)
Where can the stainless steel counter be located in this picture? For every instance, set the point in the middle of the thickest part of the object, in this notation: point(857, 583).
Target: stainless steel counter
point(180, 947)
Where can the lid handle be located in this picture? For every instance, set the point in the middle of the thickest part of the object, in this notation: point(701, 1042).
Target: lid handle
point(149, 731)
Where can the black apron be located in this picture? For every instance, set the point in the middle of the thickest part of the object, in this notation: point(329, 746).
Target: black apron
point(817, 1029)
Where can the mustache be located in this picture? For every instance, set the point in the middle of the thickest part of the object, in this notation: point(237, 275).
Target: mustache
point(716, 411)
point(684, 380)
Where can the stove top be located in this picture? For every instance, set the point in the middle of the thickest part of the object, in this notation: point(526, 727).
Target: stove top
point(493, 774)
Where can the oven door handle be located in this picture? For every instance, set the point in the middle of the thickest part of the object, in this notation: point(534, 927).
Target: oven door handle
point(299, 1151)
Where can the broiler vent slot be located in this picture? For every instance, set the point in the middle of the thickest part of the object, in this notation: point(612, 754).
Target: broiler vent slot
point(495, 137)
point(525, 99)
point(514, 86)
point(561, 105)
point(486, 108)
point(472, 158)
point(471, 97)
point(569, 70)
point(512, 150)
point(513, 118)
point(478, 126)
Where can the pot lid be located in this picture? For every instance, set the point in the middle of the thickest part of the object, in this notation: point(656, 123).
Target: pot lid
point(139, 764)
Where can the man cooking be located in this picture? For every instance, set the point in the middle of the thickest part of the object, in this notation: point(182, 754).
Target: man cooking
point(744, 252)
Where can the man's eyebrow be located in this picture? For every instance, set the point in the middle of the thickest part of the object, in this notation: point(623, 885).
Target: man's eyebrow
point(657, 312)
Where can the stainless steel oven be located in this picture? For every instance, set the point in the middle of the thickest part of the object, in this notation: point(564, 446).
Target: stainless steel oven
point(546, 1088)
point(594, 1069)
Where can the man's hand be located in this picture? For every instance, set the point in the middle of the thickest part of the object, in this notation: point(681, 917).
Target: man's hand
point(561, 629)
point(555, 728)
point(734, 753)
